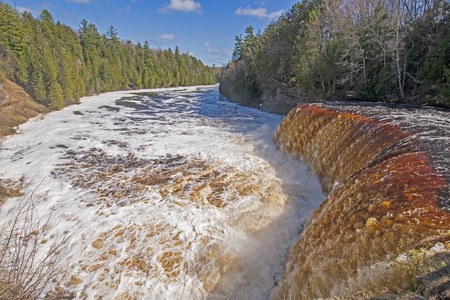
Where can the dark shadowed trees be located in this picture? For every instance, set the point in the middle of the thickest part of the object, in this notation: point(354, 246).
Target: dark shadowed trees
point(390, 50)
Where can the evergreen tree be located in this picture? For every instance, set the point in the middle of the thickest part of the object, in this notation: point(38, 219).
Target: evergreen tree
point(11, 32)
point(46, 16)
point(238, 45)
point(55, 96)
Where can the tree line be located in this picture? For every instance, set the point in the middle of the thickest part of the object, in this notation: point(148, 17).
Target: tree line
point(375, 50)
point(57, 65)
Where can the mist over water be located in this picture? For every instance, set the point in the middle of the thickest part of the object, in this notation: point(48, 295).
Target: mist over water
point(167, 194)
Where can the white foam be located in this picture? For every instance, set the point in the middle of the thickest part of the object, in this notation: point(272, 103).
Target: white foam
point(65, 159)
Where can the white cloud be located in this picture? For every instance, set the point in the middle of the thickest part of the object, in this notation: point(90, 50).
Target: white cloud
point(22, 9)
point(259, 12)
point(167, 37)
point(211, 50)
point(185, 6)
point(226, 51)
point(80, 1)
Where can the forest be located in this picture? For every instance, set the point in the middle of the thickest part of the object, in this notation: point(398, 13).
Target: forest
point(57, 65)
point(370, 50)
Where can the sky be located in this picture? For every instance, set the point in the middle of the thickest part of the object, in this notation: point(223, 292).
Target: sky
point(204, 28)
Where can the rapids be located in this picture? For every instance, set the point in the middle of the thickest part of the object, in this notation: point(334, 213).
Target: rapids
point(164, 194)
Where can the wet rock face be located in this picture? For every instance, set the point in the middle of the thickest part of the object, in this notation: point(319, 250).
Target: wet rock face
point(282, 102)
point(385, 197)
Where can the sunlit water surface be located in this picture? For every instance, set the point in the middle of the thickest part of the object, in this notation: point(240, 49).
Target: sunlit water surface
point(166, 194)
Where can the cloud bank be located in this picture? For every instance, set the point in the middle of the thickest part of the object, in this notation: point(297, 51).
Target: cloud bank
point(259, 12)
point(167, 37)
point(22, 9)
point(185, 6)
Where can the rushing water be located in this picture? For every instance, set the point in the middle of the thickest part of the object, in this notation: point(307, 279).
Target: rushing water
point(165, 194)
point(387, 177)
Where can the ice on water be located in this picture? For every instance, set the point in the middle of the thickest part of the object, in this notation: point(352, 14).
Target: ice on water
point(166, 194)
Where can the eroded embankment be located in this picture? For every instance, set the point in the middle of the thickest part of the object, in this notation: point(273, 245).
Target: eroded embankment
point(16, 106)
point(384, 197)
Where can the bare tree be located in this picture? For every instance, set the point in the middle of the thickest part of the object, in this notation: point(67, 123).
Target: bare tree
point(27, 265)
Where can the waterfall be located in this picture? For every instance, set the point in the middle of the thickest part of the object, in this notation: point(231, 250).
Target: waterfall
point(384, 197)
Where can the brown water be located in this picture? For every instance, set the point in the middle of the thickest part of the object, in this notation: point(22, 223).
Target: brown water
point(388, 192)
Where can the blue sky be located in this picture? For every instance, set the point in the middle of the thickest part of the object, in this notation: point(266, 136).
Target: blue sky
point(205, 28)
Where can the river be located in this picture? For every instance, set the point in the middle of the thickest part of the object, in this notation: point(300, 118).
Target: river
point(162, 194)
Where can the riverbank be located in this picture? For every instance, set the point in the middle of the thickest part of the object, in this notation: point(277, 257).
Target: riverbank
point(16, 107)
point(284, 98)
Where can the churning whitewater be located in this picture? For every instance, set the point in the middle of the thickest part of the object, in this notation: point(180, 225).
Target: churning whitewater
point(164, 194)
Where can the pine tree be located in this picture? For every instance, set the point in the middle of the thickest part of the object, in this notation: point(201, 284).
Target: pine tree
point(238, 48)
point(55, 96)
point(11, 32)
point(36, 85)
